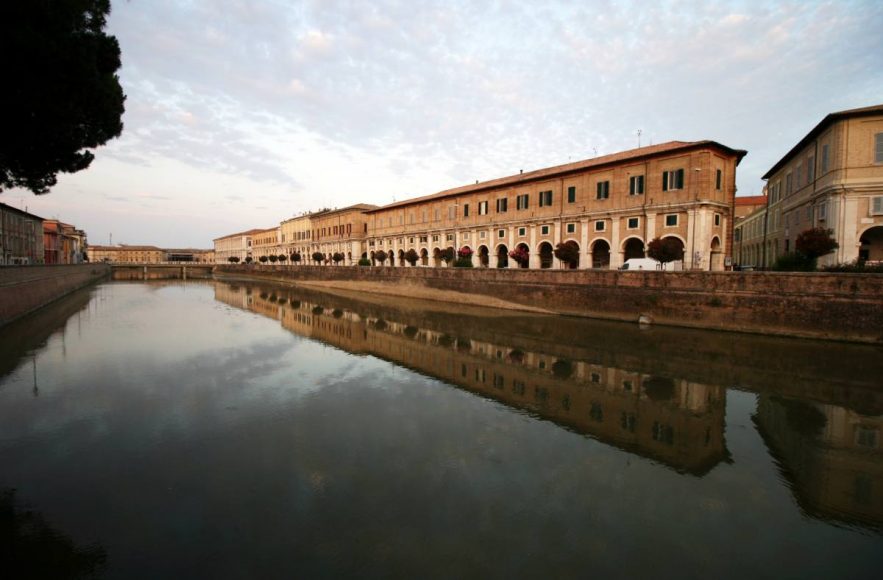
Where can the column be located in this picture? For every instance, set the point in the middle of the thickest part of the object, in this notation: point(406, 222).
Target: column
point(534, 262)
point(585, 259)
point(615, 249)
point(556, 239)
point(690, 262)
point(650, 227)
point(512, 263)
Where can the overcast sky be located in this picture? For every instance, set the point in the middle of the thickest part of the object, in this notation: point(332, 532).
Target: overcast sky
point(241, 113)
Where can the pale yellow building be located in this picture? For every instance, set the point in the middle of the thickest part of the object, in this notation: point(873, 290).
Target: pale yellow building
point(296, 235)
point(236, 245)
point(124, 254)
point(832, 178)
point(609, 207)
point(266, 243)
point(340, 231)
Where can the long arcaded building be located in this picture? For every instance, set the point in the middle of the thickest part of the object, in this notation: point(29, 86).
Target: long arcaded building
point(607, 209)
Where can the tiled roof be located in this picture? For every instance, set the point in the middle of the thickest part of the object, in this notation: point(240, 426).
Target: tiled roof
point(751, 200)
point(540, 174)
point(245, 233)
point(823, 124)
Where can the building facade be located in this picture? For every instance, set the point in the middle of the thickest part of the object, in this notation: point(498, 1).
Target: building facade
point(265, 243)
point(236, 245)
point(342, 232)
point(123, 254)
point(21, 237)
point(63, 243)
point(296, 235)
point(609, 208)
point(833, 179)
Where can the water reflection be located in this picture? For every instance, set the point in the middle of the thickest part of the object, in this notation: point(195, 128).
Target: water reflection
point(578, 375)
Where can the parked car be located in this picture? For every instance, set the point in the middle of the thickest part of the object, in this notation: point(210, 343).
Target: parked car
point(641, 264)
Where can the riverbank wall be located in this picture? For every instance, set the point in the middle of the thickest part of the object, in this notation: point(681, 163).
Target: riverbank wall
point(821, 305)
point(24, 289)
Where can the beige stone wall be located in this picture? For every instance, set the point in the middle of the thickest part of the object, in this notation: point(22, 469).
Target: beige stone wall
point(25, 289)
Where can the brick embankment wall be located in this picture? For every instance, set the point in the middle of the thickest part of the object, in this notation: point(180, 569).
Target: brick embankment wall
point(24, 289)
point(814, 305)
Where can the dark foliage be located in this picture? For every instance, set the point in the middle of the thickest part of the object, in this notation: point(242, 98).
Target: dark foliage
point(665, 250)
point(568, 252)
point(61, 94)
point(815, 243)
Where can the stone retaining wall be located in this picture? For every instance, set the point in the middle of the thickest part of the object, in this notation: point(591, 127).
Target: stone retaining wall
point(24, 289)
point(816, 305)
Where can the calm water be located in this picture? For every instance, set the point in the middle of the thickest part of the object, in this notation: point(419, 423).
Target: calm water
point(218, 430)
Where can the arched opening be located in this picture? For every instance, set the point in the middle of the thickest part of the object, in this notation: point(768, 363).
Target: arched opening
point(546, 255)
point(451, 251)
point(483, 256)
point(679, 263)
point(401, 257)
point(600, 254)
point(871, 245)
point(502, 256)
point(633, 248)
point(349, 258)
point(436, 257)
point(424, 257)
point(373, 261)
point(569, 254)
point(717, 256)
point(524, 252)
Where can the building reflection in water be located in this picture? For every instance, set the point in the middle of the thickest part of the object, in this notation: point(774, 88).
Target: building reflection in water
point(673, 421)
point(830, 456)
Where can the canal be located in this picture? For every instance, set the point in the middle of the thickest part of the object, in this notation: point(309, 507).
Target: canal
point(229, 429)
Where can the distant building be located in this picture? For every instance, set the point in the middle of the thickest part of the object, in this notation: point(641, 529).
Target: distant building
point(236, 245)
point(341, 231)
point(63, 243)
point(21, 237)
point(833, 179)
point(124, 254)
point(190, 255)
point(266, 243)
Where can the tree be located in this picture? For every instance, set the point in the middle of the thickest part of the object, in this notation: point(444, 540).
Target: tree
point(815, 243)
point(318, 257)
point(665, 250)
point(520, 255)
point(61, 93)
point(233, 259)
point(568, 252)
point(249, 260)
point(337, 257)
point(446, 255)
point(263, 259)
point(411, 256)
point(380, 257)
point(296, 257)
point(272, 258)
point(282, 257)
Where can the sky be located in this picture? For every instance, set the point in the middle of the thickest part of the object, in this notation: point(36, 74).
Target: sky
point(243, 113)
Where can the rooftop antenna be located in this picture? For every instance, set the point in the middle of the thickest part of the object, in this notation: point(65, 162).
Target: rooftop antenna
point(595, 151)
point(639, 138)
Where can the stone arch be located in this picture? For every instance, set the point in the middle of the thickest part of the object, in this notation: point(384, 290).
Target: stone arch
point(600, 251)
point(502, 255)
point(523, 246)
point(633, 248)
point(717, 254)
point(424, 257)
point(547, 255)
point(483, 256)
point(572, 265)
point(453, 251)
point(436, 257)
point(871, 244)
point(401, 256)
point(349, 258)
point(680, 241)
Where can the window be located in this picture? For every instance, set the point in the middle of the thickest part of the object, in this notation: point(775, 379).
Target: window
point(466, 235)
point(437, 214)
point(824, 162)
point(482, 208)
point(878, 148)
point(449, 237)
point(411, 240)
point(434, 237)
point(544, 230)
point(545, 198)
point(571, 194)
point(502, 205)
point(599, 226)
point(633, 223)
point(799, 178)
point(877, 205)
point(466, 209)
point(603, 190)
point(571, 228)
point(636, 185)
point(423, 239)
point(672, 180)
point(411, 218)
point(822, 211)
point(865, 436)
point(522, 232)
point(452, 212)
point(521, 201)
point(501, 233)
point(810, 169)
point(671, 220)
point(717, 219)
point(718, 179)
point(482, 235)
point(789, 184)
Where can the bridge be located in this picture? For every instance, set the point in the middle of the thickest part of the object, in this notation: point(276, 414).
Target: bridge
point(164, 271)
